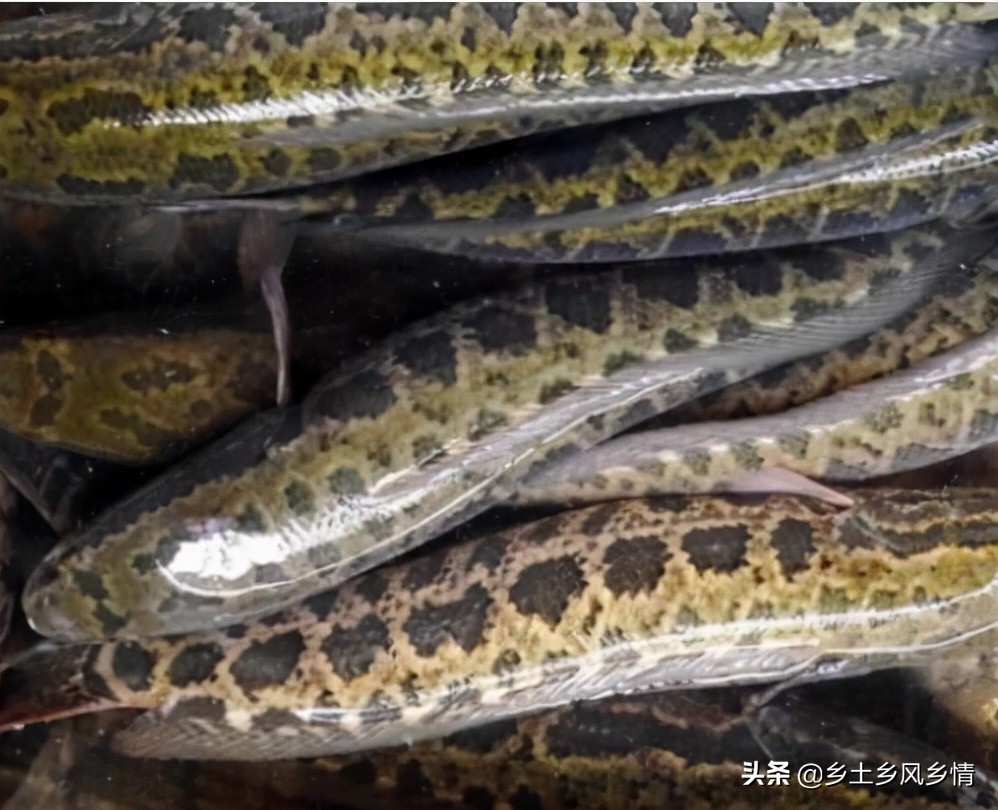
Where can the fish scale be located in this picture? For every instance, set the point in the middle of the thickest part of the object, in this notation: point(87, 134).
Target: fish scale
point(441, 421)
point(630, 596)
point(235, 99)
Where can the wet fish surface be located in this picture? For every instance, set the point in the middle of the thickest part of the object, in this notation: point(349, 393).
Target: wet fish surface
point(442, 420)
point(237, 98)
point(637, 595)
point(936, 410)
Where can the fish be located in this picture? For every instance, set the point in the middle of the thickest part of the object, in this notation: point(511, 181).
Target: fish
point(440, 421)
point(936, 410)
point(639, 595)
point(141, 393)
point(647, 752)
point(184, 101)
point(965, 306)
point(949, 173)
point(747, 174)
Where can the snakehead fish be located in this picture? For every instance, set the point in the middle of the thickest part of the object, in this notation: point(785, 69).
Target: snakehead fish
point(949, 172)
point(440, 421)
point(679, 592)
point(190, 100)
point(965, 306)
point(644, 752)
point(751, 173)
point(936, 410)
point(138, 393)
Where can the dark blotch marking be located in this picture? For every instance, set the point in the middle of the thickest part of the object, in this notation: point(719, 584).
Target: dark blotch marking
point(744, 171)
point(194, 664)
point(296, 21)
point(50, 370)
point(132, 664)
point(597, 520)
point(90, 584)
point(696, 242)
point(144, 563)
point(635, 564)
point(821, 265)
point(208, 25)
point(582, 304)
point(848, 136)
point(680, 289)
point(675, 341)
point(276, 162)
point(268, 663)
point(488, 552)
point(782, 230)
point(351, 651)
point(591, 731)
point(250, 520)
point(758, 277)
point(422, 571)
point(497, 329)
point(462, 620)
point(831, 13)
point(752, 17)
point(431, 355)
point(45, 409)
point(110, 622)
point(794, 545)
point(678, 17)
point(324, 160)
point(720, 549)
point(849, 222)
point(371, 587)
point(299, 498)
point(552, 391)
point(346, 481)
point(218, 172)
point(72, 115)
point(365, 394)
point(82, 186)
point(657, 138)
point(544, 589)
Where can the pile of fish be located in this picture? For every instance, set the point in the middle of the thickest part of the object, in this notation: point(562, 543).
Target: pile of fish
point(502, 405)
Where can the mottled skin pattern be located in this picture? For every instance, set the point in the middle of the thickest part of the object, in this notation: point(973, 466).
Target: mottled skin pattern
point(950, 173)
point(936, 410)
point(243, 98)
point(964, 307)
point(636, 595)
point(659, 156)
point(442, 420)
point(134, 398)
point(667, 750)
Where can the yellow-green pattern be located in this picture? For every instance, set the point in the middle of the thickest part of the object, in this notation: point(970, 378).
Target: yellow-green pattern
point(439, 423)
point(138, 398)
point(660, 594)
point(184, 101)
point(938, 409)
